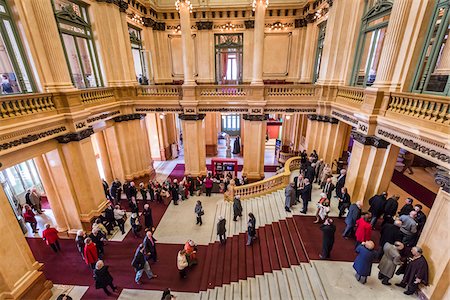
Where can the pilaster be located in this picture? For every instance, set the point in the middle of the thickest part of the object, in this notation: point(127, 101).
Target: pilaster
point(187, 43)
point(193, 126)
point(258, 42)
point(255, 137)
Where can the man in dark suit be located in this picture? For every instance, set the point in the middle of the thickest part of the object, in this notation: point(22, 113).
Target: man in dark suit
point(298, 185)
point(150, 246)
point(328, 229)
point(344, 201)
point(407, 208)
point(377, 204)
point(328, 188)
point(340, 183)
point(390, 233)
point(390, 209)
point(306, 195)
point(310, 172)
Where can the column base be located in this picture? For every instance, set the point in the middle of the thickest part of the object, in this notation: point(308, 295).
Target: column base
point(59, 87)
point(35, 286)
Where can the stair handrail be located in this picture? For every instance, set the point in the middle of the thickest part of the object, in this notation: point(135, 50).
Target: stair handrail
point(268, 185)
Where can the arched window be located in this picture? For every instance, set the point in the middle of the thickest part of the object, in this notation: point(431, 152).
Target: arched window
point(79, 46)
point(14, 70)
point(433, 71)
point(370, 43)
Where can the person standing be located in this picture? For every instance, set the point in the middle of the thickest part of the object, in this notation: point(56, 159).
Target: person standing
point(29, 217)
point(50, 236)
point(340, 183)
point(116, 190)
point(141, 265)
point(390, 209)
point(90, 253)
point(143, 192)
point(103, 278)
point(328, 230)
point(408, 159)
point(323, 208)
point(409, 227)
point(344, 201)
point(221, 230)
point(150, 247)
point(119, 216)
point(363, 262)
point(390, 233)
point(237, 207)
point(79, 241)
point(416, 272)
point(299, 183)
point(354, 212)
point(148, 218)
point(174, 192)
point(136, 226)
point(182, 263)
point(208, 186)
point(106, 189)
point(407, 208)
point(363, 229)
point(35, 199)
point(199, 212)
point(389, 262)
point(289, 192)
point(306, 195)
point(377, 204)
point(251, 229)
point(328, 188)
point(97, 237)
point(27, 198)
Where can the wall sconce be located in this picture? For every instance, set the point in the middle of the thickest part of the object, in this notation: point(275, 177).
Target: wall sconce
point(187, 3)
point(228, 27)
point(277, 26)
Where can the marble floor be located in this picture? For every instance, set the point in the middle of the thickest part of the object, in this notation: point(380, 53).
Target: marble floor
point(42, 219)
point(74, 291)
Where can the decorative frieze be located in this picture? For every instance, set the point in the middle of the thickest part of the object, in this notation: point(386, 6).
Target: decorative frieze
point(322, 118)
point(123, 5)
point(102, 116)
point(32, 138)
point(442, 178)
point(204, 25)
point(291, 110)
point(222, 109)
point(249, 117)
point(149, 22)
point(159, 109)
point(369, 140)
point(75, 136)
point(130, 117)
point(249, 24)
point(345, 118)
point(193, 117)
point(299, 23)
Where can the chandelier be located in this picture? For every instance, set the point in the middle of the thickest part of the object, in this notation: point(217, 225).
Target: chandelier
point(136, 18)
point(187, 3)
point(255, 2)
point(277, 26)
point(228, 27)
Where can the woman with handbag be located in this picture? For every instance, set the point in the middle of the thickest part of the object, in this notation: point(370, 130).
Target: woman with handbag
point(199, 212)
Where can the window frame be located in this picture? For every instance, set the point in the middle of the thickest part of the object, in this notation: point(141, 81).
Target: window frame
point(136, 44)
point(79, 22)
point(319, 49)
point(7, 15)
point(432, 59)
point(380, 9)
point(239, 47)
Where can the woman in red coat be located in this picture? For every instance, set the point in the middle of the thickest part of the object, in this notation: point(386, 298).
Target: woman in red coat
point(363, 229)
point(90, 253)
point(28, 215)
point(50, 236)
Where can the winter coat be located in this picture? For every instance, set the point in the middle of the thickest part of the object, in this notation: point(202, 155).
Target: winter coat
point(363, 230)
point(90, 253)
point(221, 227)
point(182, 262)
point(138, 262)
point(363, 262)
point(390, 260)
point(237, 207)
point(50, 235)
point(102, 277)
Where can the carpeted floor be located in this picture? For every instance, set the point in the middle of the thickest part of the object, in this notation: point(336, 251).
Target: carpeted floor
point(178, 171)
point(414, 188)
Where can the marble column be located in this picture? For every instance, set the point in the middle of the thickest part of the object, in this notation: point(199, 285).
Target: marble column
point(288, 130)
point(371, 166)
point(433, 239)
point(47, 43)
point(187, 44)
point(306, 75)
point(101, 149)
point(211, 134)
point(392, 44)
point(193, 127)
point(255, 127)
point(311, 133)
point(154, 137)
point(21, 276)
point(258, 43)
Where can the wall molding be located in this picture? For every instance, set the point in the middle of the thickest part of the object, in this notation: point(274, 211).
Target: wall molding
point(75, 136)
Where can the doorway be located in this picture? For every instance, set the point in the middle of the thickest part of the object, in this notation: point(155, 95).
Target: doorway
point(228, 55)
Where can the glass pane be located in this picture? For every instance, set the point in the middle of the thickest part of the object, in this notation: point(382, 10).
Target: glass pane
point(86, 60)
point(137, 64)
point(379, 21)
point(19, 58)
point(14, 180)
point(94, 61)
point(2, 8)
point(376, 48)
point(25, 174)
point(441, 70)
point(75, 29)
point(10, 83)
point(361, 71)
point(34, 172)
point(74, 63)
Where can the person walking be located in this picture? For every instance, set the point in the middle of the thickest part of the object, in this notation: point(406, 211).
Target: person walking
point(389, 262)
point(251, 229)
point(199, 212)
point(141, 265)
point(148, 218)
point(328, 230)
point(182, 263)
point(289, 192)
point(208, 186)
point(35, 199)
point(136, 226)
point(416, 272)
point(79, 241)
point(363, 229)
point(50, 236)
point(408, 159)
point(221, 230)
point(354, 212)
point(103, 278)
point(90, 253)
point(29, 217)
point(150, 247)
point(323, 208)
point(363, 262)
point(237, 207)
point(119, 216)
point(143, 192)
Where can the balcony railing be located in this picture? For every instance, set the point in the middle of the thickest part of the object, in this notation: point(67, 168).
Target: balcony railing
point(97, 96)
point(223, 91)
point(27, 104)
point(351, 96)
point(290, 90)
point(166, 91)
point(423, 107)
point(269, 185)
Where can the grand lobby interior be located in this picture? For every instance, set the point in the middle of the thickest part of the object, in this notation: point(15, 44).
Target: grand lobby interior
point(150, 91)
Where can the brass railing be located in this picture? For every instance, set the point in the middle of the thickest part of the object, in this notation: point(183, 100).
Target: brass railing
point(429, 108)
point(352, 96)
point(96, 96)
point(269, 185)
point(27, 104)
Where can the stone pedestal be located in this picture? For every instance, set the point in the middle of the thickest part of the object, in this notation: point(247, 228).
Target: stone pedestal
point(255, 139)
point(193, 127)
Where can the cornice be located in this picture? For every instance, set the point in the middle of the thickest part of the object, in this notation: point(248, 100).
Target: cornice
point(369, 140)
point(123, 5)
point(130, 117)
point(193, 117)
point(75, 136)
point(249, 24)
point(323, 118)
point(260, 118)
point(204, 25)
point(32, 138)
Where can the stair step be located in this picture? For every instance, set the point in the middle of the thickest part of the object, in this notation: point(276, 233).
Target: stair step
point(264, 250)
point(235, 261)
point(254, 289)
point(249, 262)
point(280, 246)
point(288, 242)
point(283, 285)
point(303, 279)
point(295, 235)
point(274, 288)
point(213, 266)
point(245, 289)
point(206, 269)
point(229, 255)
point(294, 285)
point(220, 264)
point(274, 257)
point(236, 290)
point(263, 287)
point(316, 284)
point(242, 257)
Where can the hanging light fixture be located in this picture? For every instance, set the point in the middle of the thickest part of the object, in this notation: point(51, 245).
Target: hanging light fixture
point(187, 3)
point(255, 2)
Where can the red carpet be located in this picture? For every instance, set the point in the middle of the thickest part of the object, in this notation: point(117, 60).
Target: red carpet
point(414, 188)
point(178, 171)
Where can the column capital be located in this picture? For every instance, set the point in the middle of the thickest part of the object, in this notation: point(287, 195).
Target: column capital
point(263, 117)
point(299, 23)
point(123, 5)
point(193, 117)
point(129, 117)
point(442, 178)
point(369, 140)
point(75, 136)
point(204, 25)
point(249, 24)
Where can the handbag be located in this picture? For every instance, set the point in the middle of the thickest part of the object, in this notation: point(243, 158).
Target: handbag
point(202, 213)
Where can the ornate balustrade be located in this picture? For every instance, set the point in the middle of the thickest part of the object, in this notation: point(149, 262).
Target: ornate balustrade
point(351, 96)
point(166, 91)
point(429, 108)
point(284, 156)
point(27, 104)
point(289, 90)
point(223, 91)
point(97, 96)
point(269, 185)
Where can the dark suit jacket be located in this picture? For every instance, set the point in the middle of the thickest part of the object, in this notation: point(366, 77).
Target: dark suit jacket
point(149, 248)
point(306, 192)
point(390, 209)
point(330, 189)
point(340, 184)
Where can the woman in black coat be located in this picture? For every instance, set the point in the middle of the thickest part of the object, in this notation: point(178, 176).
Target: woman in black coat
point(148, 218)
point(103, 278)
